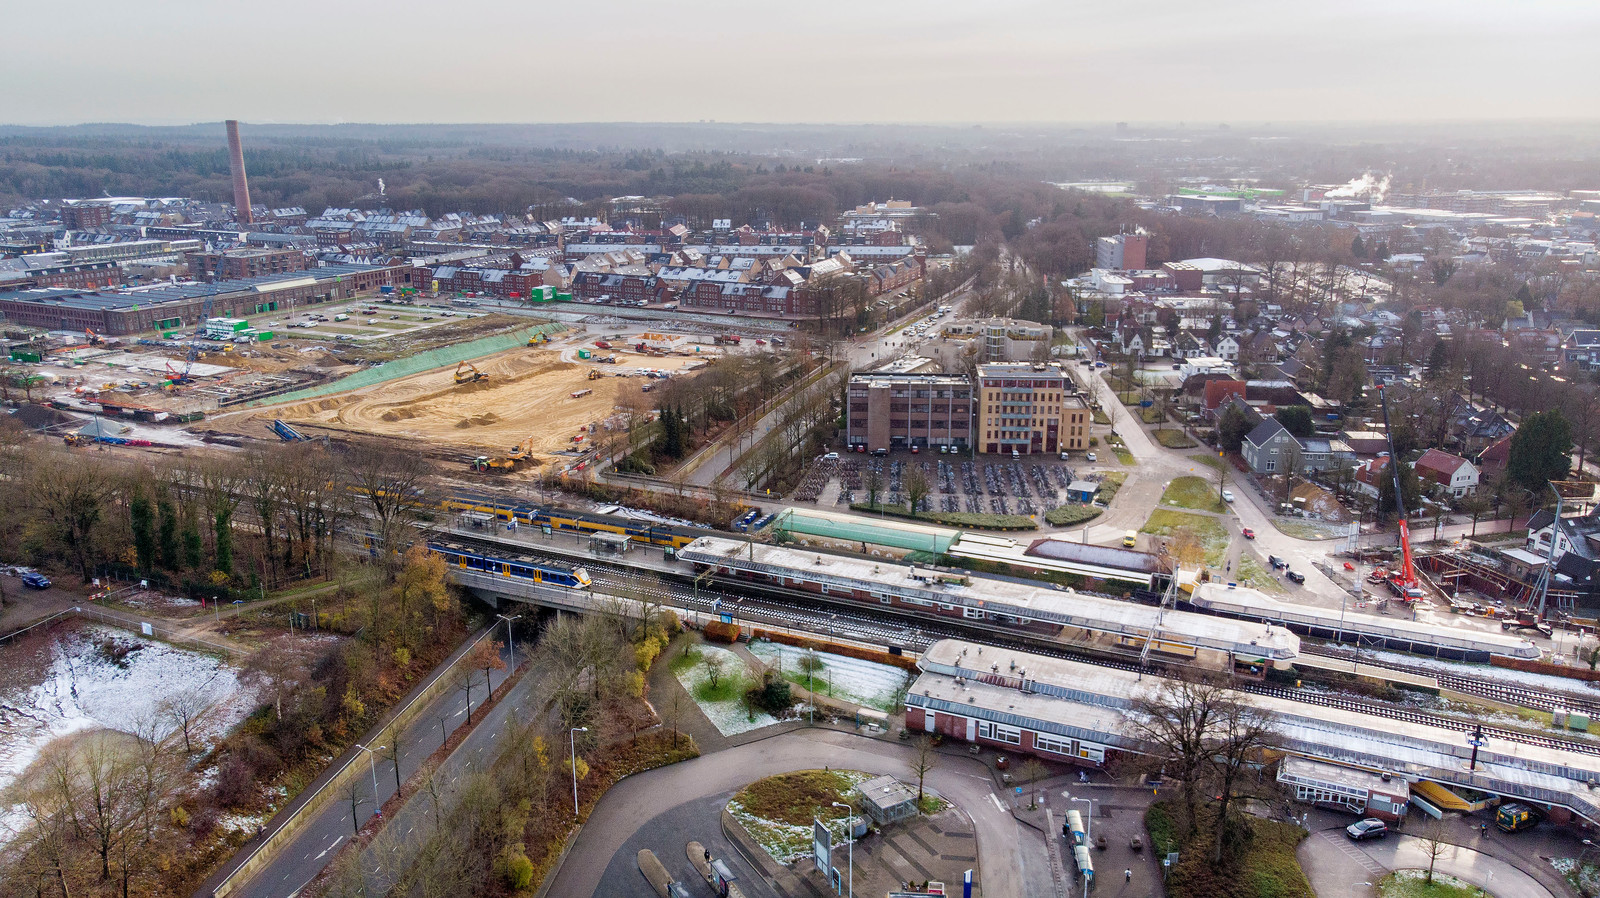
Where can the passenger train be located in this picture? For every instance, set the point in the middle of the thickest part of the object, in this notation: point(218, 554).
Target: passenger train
point(569, 521)
point(522, 567)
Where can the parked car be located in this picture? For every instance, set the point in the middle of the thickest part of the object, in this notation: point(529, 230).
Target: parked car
point(831, 456)
point(1370, 828)
point(35, 580)
point(1515, 817)
point(1276, 562)
point(1092, 457)
point(1295, 577)
point(1247, 533)
point(1227, 495)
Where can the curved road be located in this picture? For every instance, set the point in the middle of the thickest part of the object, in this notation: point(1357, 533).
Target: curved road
point(1012, 861)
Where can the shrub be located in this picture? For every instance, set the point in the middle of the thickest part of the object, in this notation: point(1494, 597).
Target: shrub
point(517, 869)
point(1071, 514)
point(717, 631)
point(772, 696)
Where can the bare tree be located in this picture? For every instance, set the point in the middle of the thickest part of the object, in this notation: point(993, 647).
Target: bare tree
point(353, 793)
point(713, 666)
point(917, 488)
point(1434, 845)
point(1240, 737)
point(388, 479)
point(393, 748)
point(184, 708)
point(1176, 720)
point(924, 759)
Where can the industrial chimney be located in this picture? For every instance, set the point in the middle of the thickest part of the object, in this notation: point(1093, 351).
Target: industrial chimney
point(241, 187)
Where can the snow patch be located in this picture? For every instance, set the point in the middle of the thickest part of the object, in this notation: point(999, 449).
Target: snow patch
point(852, 679)
point(729, 717)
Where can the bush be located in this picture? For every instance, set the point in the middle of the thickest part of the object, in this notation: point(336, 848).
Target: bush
point(772, 696)
point(518, 870)
point(717, 631)
point(1067, 515)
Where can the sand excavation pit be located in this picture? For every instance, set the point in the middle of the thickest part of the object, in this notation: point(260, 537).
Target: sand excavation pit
point(528, 394)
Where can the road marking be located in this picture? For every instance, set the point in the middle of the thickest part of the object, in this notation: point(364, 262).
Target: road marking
point(330, 847)
point(996, 799)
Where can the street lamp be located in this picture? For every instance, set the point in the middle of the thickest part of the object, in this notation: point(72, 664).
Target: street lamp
point(511, 639)
point(572, 744)
point(373, 766)
point(851, 842)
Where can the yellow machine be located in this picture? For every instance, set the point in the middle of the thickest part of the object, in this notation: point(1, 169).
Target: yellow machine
point(594, 374)
point(467, 373)
point(505, 463)
point(538, 339)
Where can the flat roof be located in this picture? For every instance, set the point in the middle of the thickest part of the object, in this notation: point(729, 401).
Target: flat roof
point(1065, 696)
point(1236, 599)
point(996, 595)
point(118, 300)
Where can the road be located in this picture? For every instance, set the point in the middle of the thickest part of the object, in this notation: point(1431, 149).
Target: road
point(298, 862)
point(1012, 858)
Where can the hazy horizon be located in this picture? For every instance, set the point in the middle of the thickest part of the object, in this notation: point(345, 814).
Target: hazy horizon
point(1006, 63)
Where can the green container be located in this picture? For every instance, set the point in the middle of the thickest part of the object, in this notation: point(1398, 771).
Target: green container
point(169, 335)
point(563, 297)
point(20, 356)
point(264, 336)
point(584, 353)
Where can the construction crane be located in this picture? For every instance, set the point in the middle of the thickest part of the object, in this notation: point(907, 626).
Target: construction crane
point(467, 373)
point(1404, 581)
point(194, 342)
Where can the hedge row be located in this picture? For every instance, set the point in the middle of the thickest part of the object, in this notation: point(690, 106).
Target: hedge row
point(906, 662)
point(976, 521)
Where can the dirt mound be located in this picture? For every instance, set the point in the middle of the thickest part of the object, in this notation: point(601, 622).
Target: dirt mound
point(39, 417)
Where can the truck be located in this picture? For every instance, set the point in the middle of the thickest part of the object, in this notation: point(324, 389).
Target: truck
point(725, 340)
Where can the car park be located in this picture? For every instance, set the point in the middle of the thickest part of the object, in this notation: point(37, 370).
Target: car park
point(1370, 828)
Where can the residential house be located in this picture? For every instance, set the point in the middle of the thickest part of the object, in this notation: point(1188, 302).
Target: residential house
point(1583, 347)
point(1492, 460)
point(1452, 472)
point(1576, 551)
point(1226, 348)
point(1270, 448)
point(1187, 345)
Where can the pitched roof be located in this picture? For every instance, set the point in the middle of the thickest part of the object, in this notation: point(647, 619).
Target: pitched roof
point(1265, 431)
point(1441, 462)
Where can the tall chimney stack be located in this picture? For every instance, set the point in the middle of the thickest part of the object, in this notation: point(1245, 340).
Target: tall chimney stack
point(241, 187)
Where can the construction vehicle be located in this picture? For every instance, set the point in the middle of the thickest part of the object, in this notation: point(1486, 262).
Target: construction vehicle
point(467, 373)
point(726, 339)
point(94, 338)
point(286, 433)
point(1403, 582)
point(539, 339)
point(594, 374)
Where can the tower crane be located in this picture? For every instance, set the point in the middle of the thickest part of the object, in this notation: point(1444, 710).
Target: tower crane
point(1404, 581)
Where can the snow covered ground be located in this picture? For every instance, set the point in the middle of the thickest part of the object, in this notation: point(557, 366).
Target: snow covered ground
point(1483, 671)
point(84, 689)
point(729, 717)
point(851, 679)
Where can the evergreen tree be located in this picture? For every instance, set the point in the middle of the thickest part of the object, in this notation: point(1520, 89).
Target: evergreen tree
point(1297, 420)
point(144, 536)
point(1358, 247)
point(193, 546)
point(1233, 427)
point(167, 549)
point(1438, 361)
point(1541, 451)
point(224, 537)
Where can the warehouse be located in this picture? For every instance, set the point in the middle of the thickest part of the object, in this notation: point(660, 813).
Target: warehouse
point(123, 312)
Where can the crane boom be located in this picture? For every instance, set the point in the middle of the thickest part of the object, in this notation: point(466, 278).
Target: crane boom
point(1403, 581)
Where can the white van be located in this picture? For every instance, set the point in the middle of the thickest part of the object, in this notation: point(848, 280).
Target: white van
point(341, 317)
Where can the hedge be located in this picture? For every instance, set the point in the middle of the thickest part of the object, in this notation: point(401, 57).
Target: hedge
point(973, 520)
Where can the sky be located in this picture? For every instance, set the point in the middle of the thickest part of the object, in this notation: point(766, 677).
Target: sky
point(936, 61)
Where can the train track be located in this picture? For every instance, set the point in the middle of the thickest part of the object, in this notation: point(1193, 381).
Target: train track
point(1511, 693)
point(779, 613)
point(1419, 717)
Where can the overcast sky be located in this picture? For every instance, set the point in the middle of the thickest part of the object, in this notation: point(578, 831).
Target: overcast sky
point(180, 61)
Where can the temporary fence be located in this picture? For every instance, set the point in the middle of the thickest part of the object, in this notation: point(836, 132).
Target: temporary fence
point(443, 357)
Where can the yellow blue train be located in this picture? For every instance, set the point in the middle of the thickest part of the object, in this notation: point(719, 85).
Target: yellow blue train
point(522, 567)
point(570, 521)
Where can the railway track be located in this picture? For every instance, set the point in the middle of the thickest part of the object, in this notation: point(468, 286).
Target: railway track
point(1511, 693)
point(779, 613)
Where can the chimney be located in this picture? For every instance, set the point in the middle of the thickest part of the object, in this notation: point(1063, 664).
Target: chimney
point(241, 187)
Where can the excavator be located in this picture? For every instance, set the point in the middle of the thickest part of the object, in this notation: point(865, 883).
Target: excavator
point(467, 373)
point(539, 338)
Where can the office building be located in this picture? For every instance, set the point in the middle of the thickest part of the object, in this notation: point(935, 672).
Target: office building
point(897, 411)
point(1029, 409)
point(1121, 251)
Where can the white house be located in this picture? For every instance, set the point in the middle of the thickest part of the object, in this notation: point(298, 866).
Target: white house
point(1226, 348)
point(1457, 475)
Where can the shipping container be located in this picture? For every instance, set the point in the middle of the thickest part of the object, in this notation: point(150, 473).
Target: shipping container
point(265, 336)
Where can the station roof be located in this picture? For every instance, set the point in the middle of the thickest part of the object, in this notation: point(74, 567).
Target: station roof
point(876, 532)
point(998, 596)
point(1097, 703)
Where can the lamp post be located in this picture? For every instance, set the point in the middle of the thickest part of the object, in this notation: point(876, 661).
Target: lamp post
point(373, 766)
point(1088, 826)
point(511, 639)
point(851, 842)
point(572, 744)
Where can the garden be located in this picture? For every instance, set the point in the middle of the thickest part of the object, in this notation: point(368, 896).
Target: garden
point(778, 811)
point(865, 683)
point(719, 682)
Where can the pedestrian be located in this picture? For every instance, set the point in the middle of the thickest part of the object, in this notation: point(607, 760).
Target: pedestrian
point(1484, 828)
point(1127, 875)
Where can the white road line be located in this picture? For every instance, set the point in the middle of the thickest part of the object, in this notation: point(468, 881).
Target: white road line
point(996, 799)
point(330, 847)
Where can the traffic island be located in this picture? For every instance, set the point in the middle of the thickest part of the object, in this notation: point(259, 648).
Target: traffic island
point(775, 824)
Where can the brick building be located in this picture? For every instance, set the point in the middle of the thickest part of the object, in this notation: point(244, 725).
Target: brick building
point(895, 411)
point(1029, 409)
point(82, 216)
point(237, 264)
point(120, 313)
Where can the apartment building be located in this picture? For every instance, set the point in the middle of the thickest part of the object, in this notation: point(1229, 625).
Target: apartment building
point(1029, 409)
point(897, 411)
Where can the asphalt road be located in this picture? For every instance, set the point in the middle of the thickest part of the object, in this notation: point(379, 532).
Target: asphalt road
point(636, 812)
point(667, 834)
point(313, 847)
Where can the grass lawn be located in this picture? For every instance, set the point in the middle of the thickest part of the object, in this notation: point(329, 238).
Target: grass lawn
point(1101, 417)
point(1414, 884)
point(1252, 573)
point(1151, 415)
point(1121, 451)
point(1174, 439)
point(778, 811)
point(1109, 484)
point(1209, 460)
point(1193, 492)
point(1208, 532)
point(1264, 867)
point(1128, 397)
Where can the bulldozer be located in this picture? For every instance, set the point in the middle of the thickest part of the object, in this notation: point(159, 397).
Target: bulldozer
point(467, 373)
point(594, 374)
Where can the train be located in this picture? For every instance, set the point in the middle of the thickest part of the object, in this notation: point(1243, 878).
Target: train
point(565, 520)
point(522, 567)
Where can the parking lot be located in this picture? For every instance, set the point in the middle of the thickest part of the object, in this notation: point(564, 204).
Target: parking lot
point(982, 485)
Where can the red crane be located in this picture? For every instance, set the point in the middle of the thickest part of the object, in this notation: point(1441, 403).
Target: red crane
point(1404, 581)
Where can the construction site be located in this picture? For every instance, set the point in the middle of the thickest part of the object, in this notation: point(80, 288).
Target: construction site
point(518, 408)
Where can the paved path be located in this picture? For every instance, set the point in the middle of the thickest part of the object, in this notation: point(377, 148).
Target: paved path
point(299, 861)
point(1012, 859)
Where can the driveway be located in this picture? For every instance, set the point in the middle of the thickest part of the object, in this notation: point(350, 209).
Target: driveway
point(1011, 856)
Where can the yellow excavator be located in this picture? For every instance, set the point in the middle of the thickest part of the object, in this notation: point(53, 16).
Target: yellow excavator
point(467, 373)
point(538, 338)
point(505, 463)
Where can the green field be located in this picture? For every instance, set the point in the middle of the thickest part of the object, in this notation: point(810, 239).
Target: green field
point(1207, 532)
point(1174, 439)
point(1193, 492)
